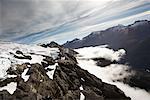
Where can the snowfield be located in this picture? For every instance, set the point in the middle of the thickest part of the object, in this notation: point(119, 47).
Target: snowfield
point(111, 73)
point(7, 51)
point(11, 87)
point(7, 60)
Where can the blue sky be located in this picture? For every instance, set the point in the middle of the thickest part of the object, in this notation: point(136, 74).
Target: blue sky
point(40, 21)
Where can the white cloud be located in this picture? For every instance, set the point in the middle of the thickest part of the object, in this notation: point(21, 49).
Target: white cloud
point(100, 51)
point(134, 93)
point(110, 73)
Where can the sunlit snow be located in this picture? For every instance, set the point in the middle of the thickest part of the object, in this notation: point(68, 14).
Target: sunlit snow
point(51, 73)
point(82, 97)
point(24, 76)
point(37, 53)
point(11, 87)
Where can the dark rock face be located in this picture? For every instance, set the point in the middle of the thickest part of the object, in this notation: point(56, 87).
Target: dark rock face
point(102, 62)
point(19, 52)
point(49, 60)
point(66, 83)
point(139, 55)
point(62, 49)
point(21, 55)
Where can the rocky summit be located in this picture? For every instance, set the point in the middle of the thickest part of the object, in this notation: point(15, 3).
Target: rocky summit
point(49, 72)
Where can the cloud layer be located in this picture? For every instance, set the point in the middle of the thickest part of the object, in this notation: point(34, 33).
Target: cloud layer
point(102, 52)
point(110, 74)
point(35, 21)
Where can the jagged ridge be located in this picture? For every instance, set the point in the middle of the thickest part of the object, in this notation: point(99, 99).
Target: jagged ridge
point(68, 81)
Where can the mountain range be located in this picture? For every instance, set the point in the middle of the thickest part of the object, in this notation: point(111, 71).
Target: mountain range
point(134, 38)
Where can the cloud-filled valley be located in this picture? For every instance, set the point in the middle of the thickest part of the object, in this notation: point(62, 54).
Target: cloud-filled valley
point(110, 74)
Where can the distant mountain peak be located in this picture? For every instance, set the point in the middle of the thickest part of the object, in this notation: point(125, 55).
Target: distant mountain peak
point(100, 35)
point(139, 22)
point(76, 39)
point(129, 37)
point(143, 21)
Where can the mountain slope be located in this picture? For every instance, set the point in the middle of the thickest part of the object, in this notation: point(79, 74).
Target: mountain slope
point(139, 55)
point(127, 37)
point(116, 37)
point(48, 72)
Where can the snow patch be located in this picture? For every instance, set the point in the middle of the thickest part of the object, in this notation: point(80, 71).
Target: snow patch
point(4, 66)
point(82, 97)
point(51, 73)
point(24, 76)
point(82, 79)
point(11, 76)
point(81, 87)
point(36, 59)
point(147, 70)
point(11, 87)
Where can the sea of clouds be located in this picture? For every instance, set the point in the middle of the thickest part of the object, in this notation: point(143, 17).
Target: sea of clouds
point(111, 73)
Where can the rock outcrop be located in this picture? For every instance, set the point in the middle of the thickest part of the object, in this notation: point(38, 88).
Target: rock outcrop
point(102, 62)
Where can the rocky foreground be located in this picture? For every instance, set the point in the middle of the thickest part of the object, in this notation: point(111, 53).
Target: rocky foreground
point(53, 78)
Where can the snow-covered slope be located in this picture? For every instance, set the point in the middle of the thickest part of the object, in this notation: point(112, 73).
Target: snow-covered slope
point(9, 57)
point(8, 51)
